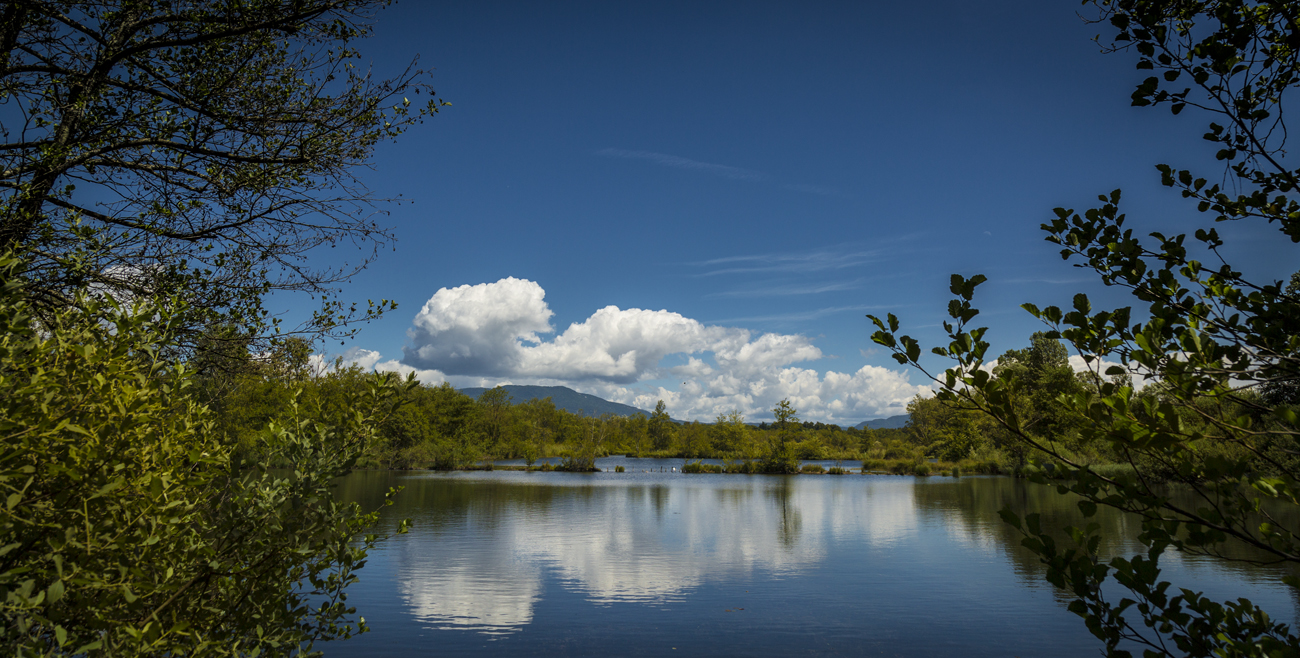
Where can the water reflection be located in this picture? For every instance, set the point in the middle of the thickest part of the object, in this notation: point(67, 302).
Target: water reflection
point(482, 541)
point(641, 543)
point(486, 591)
point(487, 548)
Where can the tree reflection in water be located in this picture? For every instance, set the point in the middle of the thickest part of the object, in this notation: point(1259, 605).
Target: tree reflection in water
point(484, 545)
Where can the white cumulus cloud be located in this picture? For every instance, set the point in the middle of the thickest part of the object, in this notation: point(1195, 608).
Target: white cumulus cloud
point(478, 329)
point(495, 333)
point(1099, 366)
point(321, 363)
point(492, 329)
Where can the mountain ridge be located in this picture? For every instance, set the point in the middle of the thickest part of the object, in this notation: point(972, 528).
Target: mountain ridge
point(564, 398)
point(891, 423)
point(590, 405)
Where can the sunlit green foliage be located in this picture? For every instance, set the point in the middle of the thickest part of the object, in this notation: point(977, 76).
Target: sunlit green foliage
point(132, 526)
point(728, 433)
point(660, 427)
point(441, 428)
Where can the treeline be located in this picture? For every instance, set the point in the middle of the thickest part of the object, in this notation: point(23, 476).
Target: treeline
point(439, 427)
point(1040, 376)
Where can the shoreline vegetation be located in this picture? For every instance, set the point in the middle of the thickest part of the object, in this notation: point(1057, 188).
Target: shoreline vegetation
point(442, 429)
point(698, 466)
point(866, 466)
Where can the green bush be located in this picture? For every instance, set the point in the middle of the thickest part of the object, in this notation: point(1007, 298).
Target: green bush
point(837, 470)
point(132, 528)
point(810, 449)
point(1119, 472)
point(812, 468)
point(619, 469)
point(782, 460)
point(700, 467)
point(747, 466)
point(585, 463)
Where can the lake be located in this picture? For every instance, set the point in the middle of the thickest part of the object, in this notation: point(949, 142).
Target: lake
point(661, 563)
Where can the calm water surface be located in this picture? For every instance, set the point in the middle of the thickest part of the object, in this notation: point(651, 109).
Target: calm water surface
point(661, 563)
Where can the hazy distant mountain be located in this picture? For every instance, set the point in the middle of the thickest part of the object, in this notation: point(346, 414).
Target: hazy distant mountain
point(564, 398)
point(891, 423)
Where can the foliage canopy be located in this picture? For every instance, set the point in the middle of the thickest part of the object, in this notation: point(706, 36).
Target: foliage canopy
point(193, 148)
point(130, 526)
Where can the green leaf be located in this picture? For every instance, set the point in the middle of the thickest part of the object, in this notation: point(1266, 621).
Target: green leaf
point(1009, 517)
point(1287, 414)
point(53, 593)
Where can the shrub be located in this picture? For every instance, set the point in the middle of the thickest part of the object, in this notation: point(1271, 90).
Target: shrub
point(1120, 472)
point(812, 468)
point(619, 469)
point(700, 467)
point(837, 470)
point(747, 466)
point(133, 528)
point(578, 464)
point(810, 449)
point(897, 452)
point(782, 460)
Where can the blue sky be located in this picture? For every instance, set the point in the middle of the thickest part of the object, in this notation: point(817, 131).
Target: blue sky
point(744, 182)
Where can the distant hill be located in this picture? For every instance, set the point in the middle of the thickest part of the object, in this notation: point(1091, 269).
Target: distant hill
point(564, 398)
point(891, 423)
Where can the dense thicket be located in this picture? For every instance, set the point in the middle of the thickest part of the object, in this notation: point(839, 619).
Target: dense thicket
point(132, 525)
point(165, 165)
point(439, 427)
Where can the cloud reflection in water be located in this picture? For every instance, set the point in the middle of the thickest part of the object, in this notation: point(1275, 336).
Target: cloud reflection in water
point(482, 567)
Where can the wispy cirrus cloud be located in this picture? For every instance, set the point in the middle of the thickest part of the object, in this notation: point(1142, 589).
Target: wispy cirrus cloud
point(733, 173)
point(790, 290)
point(803, 316)
point(822, 259)
point(816, 261)
point(724, 171)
